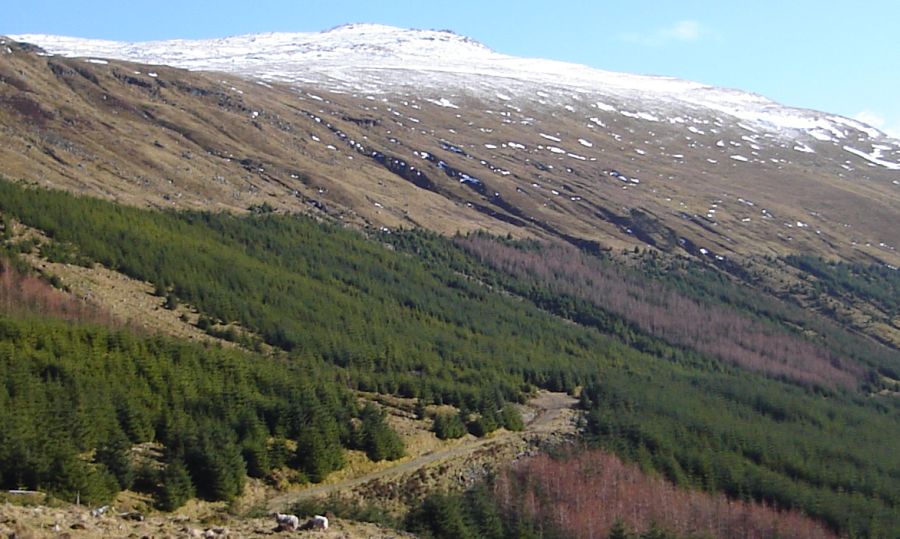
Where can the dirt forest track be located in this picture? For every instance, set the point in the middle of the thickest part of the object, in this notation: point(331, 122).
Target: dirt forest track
point(546, 415)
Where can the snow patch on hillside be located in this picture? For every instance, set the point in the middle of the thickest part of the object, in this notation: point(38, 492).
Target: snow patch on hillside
point(377, 59)
point(443, 102)
point(874, 157)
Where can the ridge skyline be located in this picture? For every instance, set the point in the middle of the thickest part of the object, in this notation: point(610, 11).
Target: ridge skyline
point(290, 57)
point(802, 54)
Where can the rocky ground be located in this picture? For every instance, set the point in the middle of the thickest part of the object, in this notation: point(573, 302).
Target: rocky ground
point(38, 522)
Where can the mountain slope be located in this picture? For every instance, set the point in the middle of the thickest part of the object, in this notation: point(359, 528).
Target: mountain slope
point(425, 319)
point(691, 342)
point(535, 147)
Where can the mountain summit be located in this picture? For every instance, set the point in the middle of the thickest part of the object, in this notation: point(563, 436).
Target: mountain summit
point(378, 59)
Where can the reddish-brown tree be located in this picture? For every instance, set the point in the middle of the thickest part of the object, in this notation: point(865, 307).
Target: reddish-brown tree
point(22, 294)
point(586, 494)
point(664, 313)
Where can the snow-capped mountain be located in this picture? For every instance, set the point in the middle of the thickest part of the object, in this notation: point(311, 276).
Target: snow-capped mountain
point(386, 127)
point(376, 59)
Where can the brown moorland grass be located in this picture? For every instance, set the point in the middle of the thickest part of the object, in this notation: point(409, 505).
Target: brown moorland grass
point(213, 141)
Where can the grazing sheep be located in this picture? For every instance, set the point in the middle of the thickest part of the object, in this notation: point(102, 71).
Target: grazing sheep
point(215, 533)
point(286, 522)
point(100, 511)
point(317, 522)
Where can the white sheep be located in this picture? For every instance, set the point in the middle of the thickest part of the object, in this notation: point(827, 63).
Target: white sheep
point(215, 533)
point(318, 522)
point(286, 522)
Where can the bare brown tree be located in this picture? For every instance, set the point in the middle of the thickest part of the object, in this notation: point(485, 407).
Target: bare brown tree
point(664, 313)
point(22, 294)
point(585, 495)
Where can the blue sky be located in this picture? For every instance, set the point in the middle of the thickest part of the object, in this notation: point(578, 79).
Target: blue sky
point(841, 57)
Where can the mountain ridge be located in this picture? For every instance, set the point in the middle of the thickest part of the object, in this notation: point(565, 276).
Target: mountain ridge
point(345, 57)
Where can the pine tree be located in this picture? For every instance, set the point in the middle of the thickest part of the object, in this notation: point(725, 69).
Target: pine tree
point(447, 426)
point(73, 479)
point(485, 514)
point(279, 453)
point(256, 455)
point(319, 449)
point(254, 445)
point(443, 516)
point(115, 455)
point(420, 408)
point(376, 437)
point(654, 533)
point(216, 465)
point(485, 423)
point(618, 530)
point(177, 487)
point(511, 419)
